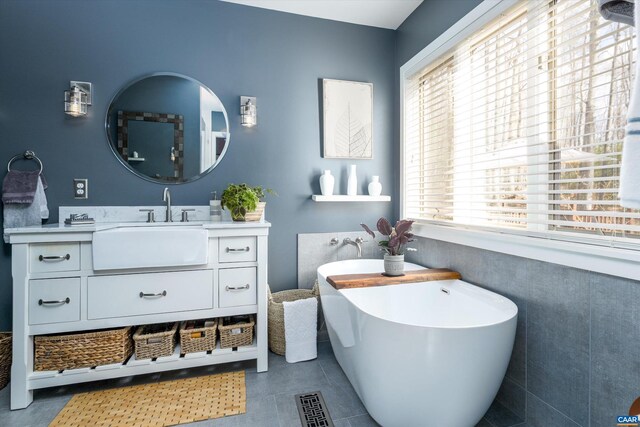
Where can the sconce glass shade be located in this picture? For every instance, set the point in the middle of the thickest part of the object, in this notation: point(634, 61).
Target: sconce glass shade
point(75, 102)
point(248, 113)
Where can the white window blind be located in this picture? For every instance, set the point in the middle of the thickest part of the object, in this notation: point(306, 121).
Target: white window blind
point(519, 127)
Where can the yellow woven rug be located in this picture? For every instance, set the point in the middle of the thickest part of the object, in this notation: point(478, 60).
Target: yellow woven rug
point(166, 403)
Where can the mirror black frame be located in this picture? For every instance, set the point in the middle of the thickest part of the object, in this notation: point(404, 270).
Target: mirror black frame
point(114, 149)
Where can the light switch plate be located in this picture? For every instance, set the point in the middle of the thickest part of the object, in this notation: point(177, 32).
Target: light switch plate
point(80, 188)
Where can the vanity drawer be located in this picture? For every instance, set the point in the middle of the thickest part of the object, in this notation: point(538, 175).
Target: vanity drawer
point(54, 300)
point(237, 286)
point(51, 257)
point(151, 293)
point(237, 249)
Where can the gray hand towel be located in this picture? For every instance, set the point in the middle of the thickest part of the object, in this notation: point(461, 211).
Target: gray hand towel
point(22, 215)
point(19, 187)
point(617, 10)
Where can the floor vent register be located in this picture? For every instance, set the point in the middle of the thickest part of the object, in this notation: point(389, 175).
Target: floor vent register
point(312, 410)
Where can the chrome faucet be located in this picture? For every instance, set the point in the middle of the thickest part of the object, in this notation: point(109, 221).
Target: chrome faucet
point(357, 243)
point(166, 197)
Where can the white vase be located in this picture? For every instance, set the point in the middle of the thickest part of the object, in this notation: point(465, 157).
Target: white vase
point(375, 188)
point(393, 265)
point(326, 183)
point(352, 182)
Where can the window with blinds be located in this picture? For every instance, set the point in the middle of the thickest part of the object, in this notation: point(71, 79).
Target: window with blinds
point(519, 128)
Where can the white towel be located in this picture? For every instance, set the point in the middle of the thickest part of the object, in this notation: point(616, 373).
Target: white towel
point(300, 329)
point(22, 215)
point(630, 170)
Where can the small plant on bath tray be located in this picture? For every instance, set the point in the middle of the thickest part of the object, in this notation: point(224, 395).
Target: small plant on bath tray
point(395, 244)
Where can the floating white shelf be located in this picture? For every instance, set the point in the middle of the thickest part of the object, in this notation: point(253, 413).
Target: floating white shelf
point(343, 198)
point(136, 159)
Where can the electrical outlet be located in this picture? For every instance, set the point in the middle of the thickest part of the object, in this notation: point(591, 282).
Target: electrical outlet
point(80, 188)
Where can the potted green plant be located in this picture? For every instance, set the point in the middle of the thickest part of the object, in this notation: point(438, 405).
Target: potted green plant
point(395, 244)
point(244, 202)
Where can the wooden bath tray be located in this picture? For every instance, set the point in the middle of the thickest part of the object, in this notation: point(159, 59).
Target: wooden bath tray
point(347, 281)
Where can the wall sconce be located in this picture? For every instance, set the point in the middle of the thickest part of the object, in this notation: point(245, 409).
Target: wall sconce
point(248, 113)
point(77, 98)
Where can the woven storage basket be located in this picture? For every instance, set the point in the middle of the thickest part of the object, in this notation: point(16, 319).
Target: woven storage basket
point(83, 350)
point(155, 340)
point(236, 335)
point(198, 338)
point(257, 214)
point(276, 314)
point(5, 358)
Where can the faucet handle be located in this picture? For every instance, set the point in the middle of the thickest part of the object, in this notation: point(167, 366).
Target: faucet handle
point(334, 241)
point(358, 240)
point(151, 214)
point(185, 214)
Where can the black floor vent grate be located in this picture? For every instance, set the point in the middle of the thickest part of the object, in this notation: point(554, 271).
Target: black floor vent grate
point(312, 410)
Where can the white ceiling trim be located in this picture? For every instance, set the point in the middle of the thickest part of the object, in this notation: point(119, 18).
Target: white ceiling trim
point(375, 13)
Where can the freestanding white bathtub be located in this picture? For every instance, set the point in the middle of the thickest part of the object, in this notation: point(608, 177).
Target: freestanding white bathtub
point(430, 354)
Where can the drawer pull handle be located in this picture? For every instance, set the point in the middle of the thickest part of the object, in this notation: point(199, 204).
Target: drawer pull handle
point(62, 301)
point(161, 294)
point(236, 250)
point(237, 288)
point(54, 258)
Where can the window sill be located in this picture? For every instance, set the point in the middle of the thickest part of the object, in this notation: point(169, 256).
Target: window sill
point(600, 259)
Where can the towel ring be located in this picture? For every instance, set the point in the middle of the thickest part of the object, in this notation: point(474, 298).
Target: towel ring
point(27, 155)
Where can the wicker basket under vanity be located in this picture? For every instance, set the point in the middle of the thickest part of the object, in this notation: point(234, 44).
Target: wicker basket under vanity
point(235, 334)
point(82, 350)
point(155, 340)
point(277, 342)
point(198, 338)
point(5, 358)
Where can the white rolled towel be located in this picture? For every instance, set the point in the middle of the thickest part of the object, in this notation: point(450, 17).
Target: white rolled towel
point(630, 170)
point(300, 329)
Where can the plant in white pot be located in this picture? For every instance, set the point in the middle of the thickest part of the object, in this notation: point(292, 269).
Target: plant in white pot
point(395, 245)
point(245, 202)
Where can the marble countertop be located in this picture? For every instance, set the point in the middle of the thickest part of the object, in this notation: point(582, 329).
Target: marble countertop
point(129, 216)
point(90, 228)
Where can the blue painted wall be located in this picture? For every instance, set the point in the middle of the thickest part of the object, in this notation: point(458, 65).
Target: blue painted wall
point(235, 50)
point(427, 22)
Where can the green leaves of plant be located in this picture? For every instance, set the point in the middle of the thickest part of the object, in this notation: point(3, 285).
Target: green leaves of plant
point(241, 198)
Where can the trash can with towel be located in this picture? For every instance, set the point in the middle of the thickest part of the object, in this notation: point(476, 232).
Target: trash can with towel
point(293, 323)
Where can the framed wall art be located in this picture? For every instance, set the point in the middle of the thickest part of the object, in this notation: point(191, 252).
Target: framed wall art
point(347, 109)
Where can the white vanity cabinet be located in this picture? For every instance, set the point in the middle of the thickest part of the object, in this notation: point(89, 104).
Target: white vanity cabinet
point(57, 290)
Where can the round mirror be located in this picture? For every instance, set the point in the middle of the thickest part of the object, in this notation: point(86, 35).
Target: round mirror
point(167, 128)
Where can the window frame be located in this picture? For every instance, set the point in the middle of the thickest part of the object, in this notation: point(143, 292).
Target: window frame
point(615, 261)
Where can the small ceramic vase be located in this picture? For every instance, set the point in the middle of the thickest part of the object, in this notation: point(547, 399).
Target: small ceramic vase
point(375, 188)
point(352, 182)
point(326, 183)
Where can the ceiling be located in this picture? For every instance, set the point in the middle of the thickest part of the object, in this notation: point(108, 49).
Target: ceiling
point(375, 13)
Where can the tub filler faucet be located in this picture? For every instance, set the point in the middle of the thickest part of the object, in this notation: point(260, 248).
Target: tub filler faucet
point(357, 243)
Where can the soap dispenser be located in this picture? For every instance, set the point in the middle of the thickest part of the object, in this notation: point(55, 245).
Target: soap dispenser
point(215, 208)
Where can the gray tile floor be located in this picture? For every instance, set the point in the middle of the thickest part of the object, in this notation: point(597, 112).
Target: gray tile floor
point(270, 395)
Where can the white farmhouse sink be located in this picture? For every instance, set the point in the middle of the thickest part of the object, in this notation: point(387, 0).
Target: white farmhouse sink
point(150, 246)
